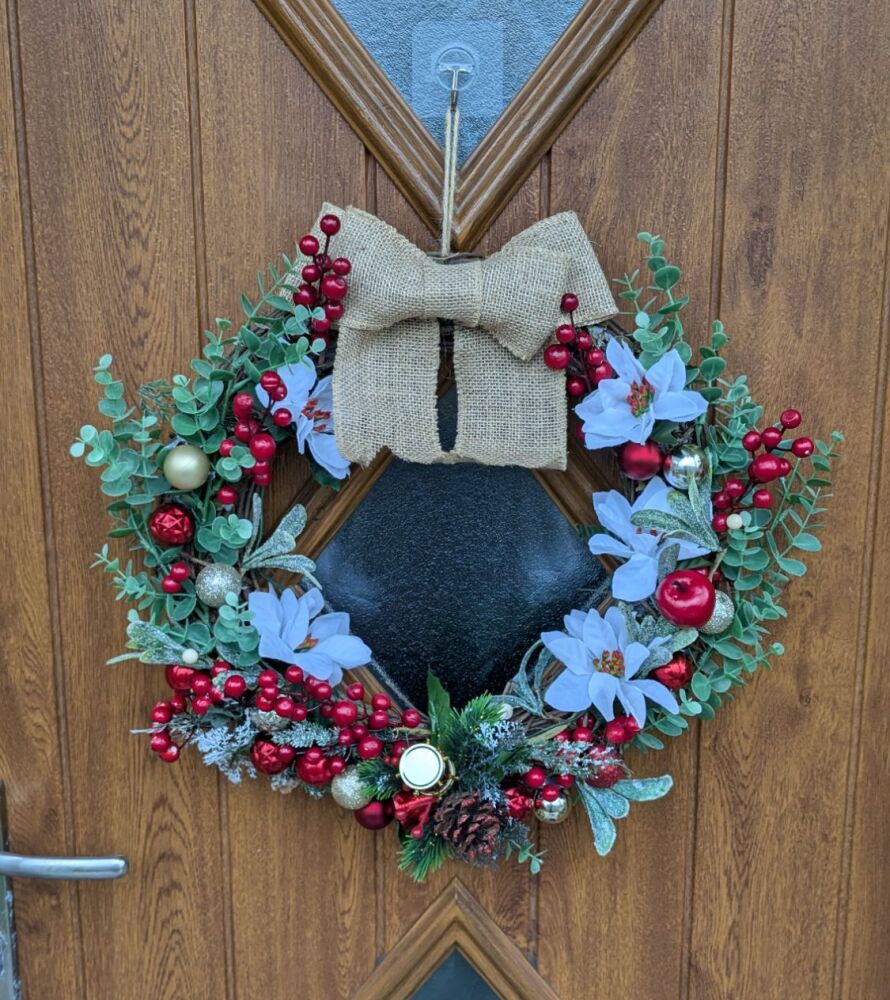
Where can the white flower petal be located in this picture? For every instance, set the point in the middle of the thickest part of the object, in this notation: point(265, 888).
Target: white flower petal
point(613, 513)
point(606, 545)
point(634, 703)
point(623, 360)
point(569, 651)
point(319, 665)
point(636, 579)
point(333, 623)
point(325, 451)
point(679, 406)
point(273, 647)
point(635, 655)
point(599, 635)
point(668, 374)
point(658, 693)
point(602, 690)
point(568, 693)
point(346, 650)
point(619, 625)
point(574, 623)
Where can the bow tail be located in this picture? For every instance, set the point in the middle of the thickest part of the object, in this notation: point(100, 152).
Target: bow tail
point(509, 411)
point(385, 384)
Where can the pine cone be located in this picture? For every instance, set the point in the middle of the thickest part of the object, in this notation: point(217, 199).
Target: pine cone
point(471, 824)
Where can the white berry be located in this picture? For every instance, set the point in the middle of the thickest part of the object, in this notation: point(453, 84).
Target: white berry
point(190, 656)
point(734, 522)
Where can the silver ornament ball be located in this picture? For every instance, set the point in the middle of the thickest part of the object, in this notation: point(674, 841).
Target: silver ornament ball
point(214, 582)
point(186, 467)
point(553, 812)
point(722, 615)
point(348, 791)
point(684, 464)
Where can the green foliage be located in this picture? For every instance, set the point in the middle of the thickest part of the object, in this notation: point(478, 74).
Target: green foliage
point(420, 857)
point(605, 805)
point(224, 536)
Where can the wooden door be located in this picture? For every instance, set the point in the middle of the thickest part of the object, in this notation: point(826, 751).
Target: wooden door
point(153, 156)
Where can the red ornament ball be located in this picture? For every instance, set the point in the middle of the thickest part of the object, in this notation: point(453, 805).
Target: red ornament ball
point(308, 245)
point(557, 357)
point(676, 673)
point(639, 462)
point(519, 805)
point(171, 524)
point(264, 754)
point(686, 598)
point(569, 302)
point(803, 447)
point(790, 419)
point(329, 225)
point(375, 815)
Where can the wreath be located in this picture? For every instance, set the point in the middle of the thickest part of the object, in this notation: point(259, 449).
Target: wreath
point(717, 509)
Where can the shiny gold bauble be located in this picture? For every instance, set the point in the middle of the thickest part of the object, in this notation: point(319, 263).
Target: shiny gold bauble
point(348, 790)
point(186, 467)
point(553, 812)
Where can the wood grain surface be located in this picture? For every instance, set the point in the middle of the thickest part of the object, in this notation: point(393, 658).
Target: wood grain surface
point(153, 157)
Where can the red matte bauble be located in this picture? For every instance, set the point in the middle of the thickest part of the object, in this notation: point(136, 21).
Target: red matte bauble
point(686, 598)
point(639, 462)
point(179, 677)
point(264, 754)
point(765, 468)
point(375, 815)
point(329, 224)
point(676, 673)
point(171, 524)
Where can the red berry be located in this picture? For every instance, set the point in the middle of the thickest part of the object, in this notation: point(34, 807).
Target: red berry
point(718, 522)
point(784, 466)
point(595, 357)
point(565, 780)
point(162, 712)
point(369, 748)
point(621, 729)
point(284, 706)
point(359, 731)
point(179, 677)
point(762, 498)
point(262, 479)
point(159, 742)
point(323, 261)
point(201, 683)
point(411, 718)
point(607, 776)
point(603, 371)
point(268, 678)
point(177, 703)
point(583, 340)
point(569, 302)
point(378, 719)
point(581, 734)
point(535, 777)
point(765, 468)
point(263, 702)
point(770, 437)
point(790, 419)
point(803, 447)
point(201, 705)
point(751, 441)
point(311, 273)
point(286, 754)
point(381, 701)
point(309, 245)
point(170, 586)
point(226, 495)
point(321, 325)
point(270, 380)
point(306, 296)
point(344, 714)
point(262, 447)
point(333, 310)
point(334, 287)
point(323, 691)
point(329, 224)
point(565, 334)
point(300, 712)
point(341, 266)
point(242, 405)
point(294, 674)
point(171, 754)
point(282, 417)
point(721, 500)
point(225, 449)
point(244, 430)
point(258, 469)
point(550, 793)
point(235, 686)
point(734, 488)
point(576, 386)
point(336, 765)
point(557, 357)
point(355, 691)
point(180, 571)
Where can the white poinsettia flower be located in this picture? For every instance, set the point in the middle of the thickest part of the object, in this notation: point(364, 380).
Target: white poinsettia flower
point(637, 578)
point(311, 401)
point(626, 407)
point(601, 664)
point(292, 631)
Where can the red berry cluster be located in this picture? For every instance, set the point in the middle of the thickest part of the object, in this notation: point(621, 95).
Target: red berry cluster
point(585, 365)
point(178, 573)
point(737, 493)
point(324, 280)
point(252, 428)
point(293, 696)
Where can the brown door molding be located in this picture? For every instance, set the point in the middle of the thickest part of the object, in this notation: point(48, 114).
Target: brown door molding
point(455, 921)
point(360, 90)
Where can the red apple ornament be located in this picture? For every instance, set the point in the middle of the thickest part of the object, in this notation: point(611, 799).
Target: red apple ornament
point(686, 598)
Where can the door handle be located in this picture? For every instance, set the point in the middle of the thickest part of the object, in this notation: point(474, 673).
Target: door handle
point(21, 866)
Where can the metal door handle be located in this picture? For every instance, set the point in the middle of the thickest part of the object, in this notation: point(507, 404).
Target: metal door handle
point(20, 866)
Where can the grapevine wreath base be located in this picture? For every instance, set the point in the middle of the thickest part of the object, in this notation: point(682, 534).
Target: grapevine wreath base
point(717, 508)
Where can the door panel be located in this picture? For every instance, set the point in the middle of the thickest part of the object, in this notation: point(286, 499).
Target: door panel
point(154, 157)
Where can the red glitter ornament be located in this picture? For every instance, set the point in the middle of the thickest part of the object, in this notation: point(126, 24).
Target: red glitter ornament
point(171, 524)
point(264, 754)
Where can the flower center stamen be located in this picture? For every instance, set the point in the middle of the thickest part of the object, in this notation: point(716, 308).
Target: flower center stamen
point(639, 399)
point(610, 662)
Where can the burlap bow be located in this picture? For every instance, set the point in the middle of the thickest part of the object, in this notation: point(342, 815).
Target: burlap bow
point(511, 407)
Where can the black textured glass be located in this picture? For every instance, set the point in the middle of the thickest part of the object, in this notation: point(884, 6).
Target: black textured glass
point(456, 568)
point(455, 978)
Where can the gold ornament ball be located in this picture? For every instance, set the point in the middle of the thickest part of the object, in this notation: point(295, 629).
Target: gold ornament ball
point(216, 581)
point(684, 464)
point(348, 791)
point(722, 615)
point(186, 467)
point(553, 812)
